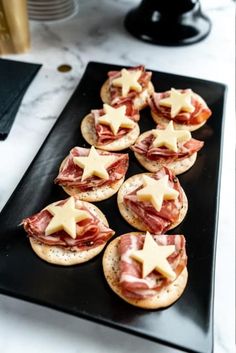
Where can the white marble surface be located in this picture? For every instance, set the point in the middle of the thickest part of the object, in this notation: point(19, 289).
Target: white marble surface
point(97, 34)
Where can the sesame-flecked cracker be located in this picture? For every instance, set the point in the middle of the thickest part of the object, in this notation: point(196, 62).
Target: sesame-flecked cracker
point(89, 134)
point(131, 184)
point(178, 126)
point(94, 195)
point(59, 255)
point(140, 102)
point(163, 298)
point(97, 194)
point(177, 167)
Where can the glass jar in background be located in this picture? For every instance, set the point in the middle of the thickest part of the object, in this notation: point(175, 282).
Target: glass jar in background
point(14, 27)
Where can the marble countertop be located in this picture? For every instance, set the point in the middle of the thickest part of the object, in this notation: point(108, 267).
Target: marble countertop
point(97, 33)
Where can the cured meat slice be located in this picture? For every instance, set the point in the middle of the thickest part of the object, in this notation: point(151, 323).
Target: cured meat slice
point(143, 80)
point(70, 174)
point(185, 149)
point(90, 232)
point(157, 222)
point(104, 132)
point(200, 114)
point(131, 281)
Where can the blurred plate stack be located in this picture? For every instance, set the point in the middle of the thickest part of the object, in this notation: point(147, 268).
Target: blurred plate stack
point(51, 10)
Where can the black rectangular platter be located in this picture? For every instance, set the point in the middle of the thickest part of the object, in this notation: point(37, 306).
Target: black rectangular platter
point(81, 290)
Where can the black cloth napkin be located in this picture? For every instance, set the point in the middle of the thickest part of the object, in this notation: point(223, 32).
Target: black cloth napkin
point(15, 77)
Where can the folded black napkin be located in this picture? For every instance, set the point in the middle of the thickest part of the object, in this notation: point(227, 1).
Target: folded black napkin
point(15, 77)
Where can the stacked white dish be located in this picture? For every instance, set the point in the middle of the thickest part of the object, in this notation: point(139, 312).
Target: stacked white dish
point(52, 10)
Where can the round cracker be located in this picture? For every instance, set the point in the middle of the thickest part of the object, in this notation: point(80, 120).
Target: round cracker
point(177, 167)
point(59, 255)
point(140, 102)
point(163, 298)
point(89, 134)
point(133, 183)
point(95, 195)
point(191, 127)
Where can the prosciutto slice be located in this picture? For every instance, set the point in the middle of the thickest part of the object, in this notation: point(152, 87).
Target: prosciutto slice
point(90, 232)
point(200, 113)
point(71, 174)
point(185, 149)
point(157, 222)
point(104, 132)
point(131, 281)
point(115, 92)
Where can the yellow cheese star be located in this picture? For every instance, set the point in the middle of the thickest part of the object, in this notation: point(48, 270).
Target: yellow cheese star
point(115, 118)
point(169, 137)
point(94, 164)
point(155, 191)
point(128, 81)
point(178, 101)
point(154, 257)
point(65, 218)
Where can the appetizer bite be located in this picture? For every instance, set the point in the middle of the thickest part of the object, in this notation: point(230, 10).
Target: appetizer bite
point(146, 270)
point(92, 175)
point(153, 202)
point(133, 82)
point(68, 232)
point(112, 128)
point(174, 149)
point(186, 108)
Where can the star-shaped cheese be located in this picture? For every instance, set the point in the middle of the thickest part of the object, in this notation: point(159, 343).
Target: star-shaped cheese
point(94, 164)
point(178, 101)
point(154, 257)
point(155, 191)
point(169, 137)
point(128, 81)
point(115, 118)
point(65, 218)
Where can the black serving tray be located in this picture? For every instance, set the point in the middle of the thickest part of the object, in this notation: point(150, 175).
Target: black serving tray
point(81, 290)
